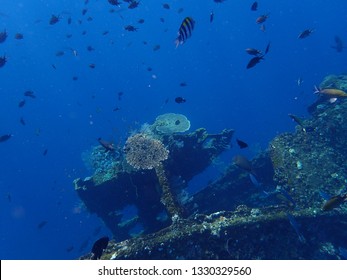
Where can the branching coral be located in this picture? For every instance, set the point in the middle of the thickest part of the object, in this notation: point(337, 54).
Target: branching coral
point(145, 152)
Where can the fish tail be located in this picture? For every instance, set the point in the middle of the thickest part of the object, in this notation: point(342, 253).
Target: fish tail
point(316, 89)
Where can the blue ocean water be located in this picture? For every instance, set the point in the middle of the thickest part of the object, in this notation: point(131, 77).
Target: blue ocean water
point(41, 217)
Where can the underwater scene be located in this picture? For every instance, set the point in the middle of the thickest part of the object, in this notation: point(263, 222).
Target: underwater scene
point(146, 129)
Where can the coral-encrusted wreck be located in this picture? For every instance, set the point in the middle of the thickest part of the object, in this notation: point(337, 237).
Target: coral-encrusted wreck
point(278, 217)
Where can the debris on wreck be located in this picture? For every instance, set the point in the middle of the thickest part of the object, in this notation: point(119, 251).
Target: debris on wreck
point(231, 218)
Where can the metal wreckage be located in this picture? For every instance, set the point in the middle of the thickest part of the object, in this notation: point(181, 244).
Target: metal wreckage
point(290, 206)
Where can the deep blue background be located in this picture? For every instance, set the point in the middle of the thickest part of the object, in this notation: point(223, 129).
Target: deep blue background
point(68, 116)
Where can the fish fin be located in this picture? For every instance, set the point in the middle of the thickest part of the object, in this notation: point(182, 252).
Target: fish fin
point(316, 89)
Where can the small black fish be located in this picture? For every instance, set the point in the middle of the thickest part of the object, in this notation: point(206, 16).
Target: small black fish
point(21, 103)
point(29, 93)
point(41, 224)
point(253, 51)
point(180, 99)
point(254, 61)
point(338, 44)
point(5, 137)
point(166, 6)
point(305, 33)
point(45, 152)
point(19, 36)
point(183, 84)
point(107, 145)
point(267, 48)
point(114, 2)
point(22, 121)
point(3, 36)
point(241, 144)
point(54, 19)
point(211, 17)
point(120, 94)
point(3, 60)
point(254, 6)
point(98, 247)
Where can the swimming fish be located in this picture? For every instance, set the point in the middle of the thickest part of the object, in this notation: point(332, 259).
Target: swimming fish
point(211, 16)
point(185, 31)
point(254, 6)
point(98, 247)
point(254, 61)
point(305, 33)
point(3, 36)
point(338, 44)
point(180, 99)
point(5, 137)
point(262, 18)
point(3, 60)
point(241, 144)
point(334, 202)
point(243, 163)
point(107, 145)
point(54, 19)
point(333, 92)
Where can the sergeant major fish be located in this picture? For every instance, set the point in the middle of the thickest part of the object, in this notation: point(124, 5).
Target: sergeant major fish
point(185, 31)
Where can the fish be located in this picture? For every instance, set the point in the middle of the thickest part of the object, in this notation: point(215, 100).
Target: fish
point(3, 36)
point(185, 31)
point(262, 19)
point(334, 202)
point(19, 36)
point(22, 121)
point(3, 60)
point(21, 103)
point(156, 47)
point(29, 93)
point(253, 51)
point(133, 4)
point(267, 48)
point(254, 6)
point(45, 151)
point(41, 224)
point(98, 247)
point(338, 44)
point(243, 163)
point(114, 2)
point(241, 144)
point(130, 28)
point(109, 146)
point(54, 19)
point(183, 84)
point(296, 226)
point(254, 61)
point(211, 17)
point(298, 120)
point(333, 92)
point(141, 21)
point(166, 6)
point(180, 99)
point(304, 34)
point(5, 137)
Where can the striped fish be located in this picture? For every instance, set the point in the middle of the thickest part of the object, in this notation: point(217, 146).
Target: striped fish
point(185, 31)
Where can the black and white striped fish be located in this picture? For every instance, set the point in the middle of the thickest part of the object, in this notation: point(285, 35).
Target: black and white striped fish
point(185, 31)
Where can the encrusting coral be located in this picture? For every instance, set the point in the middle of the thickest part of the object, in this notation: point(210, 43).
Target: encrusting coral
point(145, 152)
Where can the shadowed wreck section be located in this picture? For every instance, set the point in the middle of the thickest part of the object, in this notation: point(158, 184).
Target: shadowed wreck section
point(290, 205)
